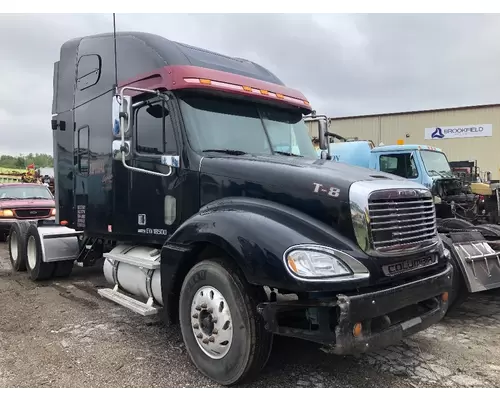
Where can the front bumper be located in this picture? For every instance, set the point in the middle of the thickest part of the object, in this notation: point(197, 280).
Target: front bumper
point(387, 316)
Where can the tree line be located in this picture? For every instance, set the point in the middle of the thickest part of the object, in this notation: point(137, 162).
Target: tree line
point(40, 160)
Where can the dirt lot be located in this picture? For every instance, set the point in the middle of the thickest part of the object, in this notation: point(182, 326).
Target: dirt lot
point(62, 334)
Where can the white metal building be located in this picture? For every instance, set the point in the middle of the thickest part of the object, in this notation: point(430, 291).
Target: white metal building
point(463, 133)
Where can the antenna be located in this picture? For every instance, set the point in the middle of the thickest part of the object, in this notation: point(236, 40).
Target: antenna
point(114, 45)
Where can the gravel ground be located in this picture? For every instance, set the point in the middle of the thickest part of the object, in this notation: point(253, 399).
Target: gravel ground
point(63, 334)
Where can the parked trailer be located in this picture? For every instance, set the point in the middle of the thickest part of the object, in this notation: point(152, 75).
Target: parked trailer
point(180, 179)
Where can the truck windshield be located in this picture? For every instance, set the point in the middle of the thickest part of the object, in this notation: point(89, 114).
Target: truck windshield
point(239, 127)
point(17, 192)
point(436, 163)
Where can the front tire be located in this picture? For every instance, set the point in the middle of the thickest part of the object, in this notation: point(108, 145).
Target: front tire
point(223, 333)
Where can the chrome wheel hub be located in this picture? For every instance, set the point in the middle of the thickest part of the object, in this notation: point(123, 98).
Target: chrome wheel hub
point(211, 322)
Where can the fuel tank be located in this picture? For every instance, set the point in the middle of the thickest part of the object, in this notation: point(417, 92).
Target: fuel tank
point(139, 281)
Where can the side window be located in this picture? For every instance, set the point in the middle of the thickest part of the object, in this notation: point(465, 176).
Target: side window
point(154, 129)
point(81, 151)
point(401, 164)
point(89, 71)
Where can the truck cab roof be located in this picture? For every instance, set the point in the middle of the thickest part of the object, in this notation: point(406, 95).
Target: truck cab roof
point(403, 147)
point(158, 63)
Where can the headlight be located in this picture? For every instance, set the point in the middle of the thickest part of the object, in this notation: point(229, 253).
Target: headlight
point(6, 213)
point(311, 262)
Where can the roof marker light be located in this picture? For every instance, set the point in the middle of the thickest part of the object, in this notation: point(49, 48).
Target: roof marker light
point(248, 89)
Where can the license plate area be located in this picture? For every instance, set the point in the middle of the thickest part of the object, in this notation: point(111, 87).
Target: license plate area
point(410, 265)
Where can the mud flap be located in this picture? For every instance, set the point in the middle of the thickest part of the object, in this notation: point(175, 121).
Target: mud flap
point(478, 258)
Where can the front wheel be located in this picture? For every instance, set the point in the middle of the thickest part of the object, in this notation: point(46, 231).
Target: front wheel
point(224, 335)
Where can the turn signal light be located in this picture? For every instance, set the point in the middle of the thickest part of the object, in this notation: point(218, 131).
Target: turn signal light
point(53, 212)
point(292, 264)
point(64, 223)
point(247, 88)
point(358, 328)
point(6, 213)
point(206, 81)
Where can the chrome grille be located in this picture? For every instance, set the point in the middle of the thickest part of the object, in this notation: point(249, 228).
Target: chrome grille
point(401, 219)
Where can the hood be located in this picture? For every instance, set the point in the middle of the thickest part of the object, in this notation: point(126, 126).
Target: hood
point(27, 203)
point(319, 188)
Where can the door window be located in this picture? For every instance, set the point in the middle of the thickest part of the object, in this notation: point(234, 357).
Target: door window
point(154, 129)
point(401, 164)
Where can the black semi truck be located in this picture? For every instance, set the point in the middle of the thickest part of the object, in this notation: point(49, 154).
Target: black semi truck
point(191, 177)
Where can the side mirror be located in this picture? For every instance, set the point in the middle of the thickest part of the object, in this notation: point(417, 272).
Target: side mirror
point(322, 130)
point(116, 149)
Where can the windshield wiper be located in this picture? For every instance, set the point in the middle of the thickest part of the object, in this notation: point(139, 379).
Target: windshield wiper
point(433, 171)
point(37, 197)
point(447, 173)
point(10, 198)
point(287, 154)
point(226, 151)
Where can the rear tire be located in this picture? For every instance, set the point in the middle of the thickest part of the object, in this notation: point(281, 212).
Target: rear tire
point(249, 344)
point(17, 245)
point(37, 269)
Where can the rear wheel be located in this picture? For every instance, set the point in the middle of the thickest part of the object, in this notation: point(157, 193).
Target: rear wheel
point(224, 335)
point(37, 269)
point(17, 245)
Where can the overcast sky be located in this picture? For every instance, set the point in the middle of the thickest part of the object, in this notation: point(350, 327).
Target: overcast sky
point(344, 64)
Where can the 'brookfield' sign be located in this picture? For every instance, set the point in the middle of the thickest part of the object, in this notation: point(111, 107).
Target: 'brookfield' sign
point(456, 132)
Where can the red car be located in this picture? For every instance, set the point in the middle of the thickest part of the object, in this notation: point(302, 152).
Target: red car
point(24, 201)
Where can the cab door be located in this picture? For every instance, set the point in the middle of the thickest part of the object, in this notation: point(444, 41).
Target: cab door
point(147, 205)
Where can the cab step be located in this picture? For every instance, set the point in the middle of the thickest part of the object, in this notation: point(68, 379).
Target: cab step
point(132, 304)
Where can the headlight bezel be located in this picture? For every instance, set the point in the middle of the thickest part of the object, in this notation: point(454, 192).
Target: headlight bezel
point(357, 269)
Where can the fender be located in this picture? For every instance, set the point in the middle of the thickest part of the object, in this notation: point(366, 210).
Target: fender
point(255, 233)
